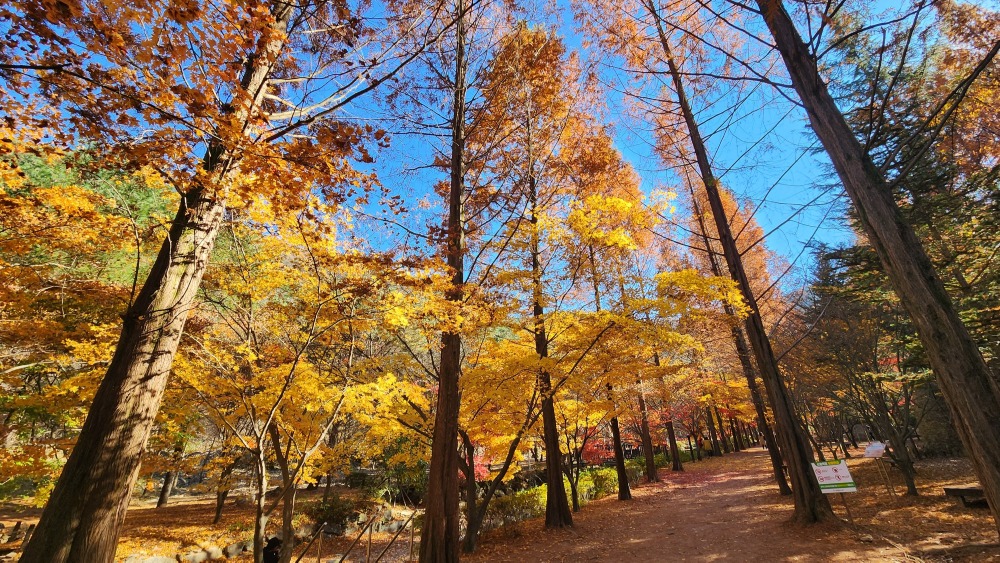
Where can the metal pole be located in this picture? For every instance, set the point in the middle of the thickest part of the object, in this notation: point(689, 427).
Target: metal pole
point(368, 552)
point(410, 558)
point(847, 508)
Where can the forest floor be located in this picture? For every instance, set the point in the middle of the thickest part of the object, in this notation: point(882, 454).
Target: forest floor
point(720, 509)
point(728, 509)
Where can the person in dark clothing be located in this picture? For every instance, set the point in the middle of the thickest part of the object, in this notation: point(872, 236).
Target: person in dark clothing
point(272, 551)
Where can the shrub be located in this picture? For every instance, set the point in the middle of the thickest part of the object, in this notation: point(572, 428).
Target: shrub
point(336, 511)
point(604, 481)
point(513, 508)
point(357, 480)
point(661, 461)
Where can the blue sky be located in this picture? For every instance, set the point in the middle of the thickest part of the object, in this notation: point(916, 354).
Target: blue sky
point(765, 155)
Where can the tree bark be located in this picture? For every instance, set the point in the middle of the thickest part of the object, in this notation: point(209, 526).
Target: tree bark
point(260, 514)
point(712, 434)
point(222, 491)
point(440, 537)
point(557, 510)
point(743, 353)
point(722, 431)
point(473, 521)
point(647, 439)
point(734, 430)
point(811, 505)
point(624, 491)
point(972, 394)
point(675, 452)
point(288, 495)
point(169, 480)
point(83, 518)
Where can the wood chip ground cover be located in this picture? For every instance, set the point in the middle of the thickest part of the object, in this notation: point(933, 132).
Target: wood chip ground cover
point(721, 509)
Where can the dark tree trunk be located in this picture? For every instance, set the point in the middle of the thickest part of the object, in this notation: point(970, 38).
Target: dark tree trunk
point(675, 452)
point(743, 353)
point(287, 495)
point(624, 491)
point(473, 522)
point(328, 487)
point(972, 394)
point(260, 499)
point(713, 436)
point(476, 516)
point(169, 480)
point(734, 430)
point(647, 440)
point(722, 431)
point(557, 510)
point(811, 505)
point(83, 518)
point(574, 494)
point(441, 534)
point(222, 490)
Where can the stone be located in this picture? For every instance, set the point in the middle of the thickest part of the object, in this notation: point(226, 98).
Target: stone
point(159, 559)
point(133, 559)
point(867, 538)
point(235, 549)
point(193, 557)
point(305, 532)
point(214, 552)
point(394, 526)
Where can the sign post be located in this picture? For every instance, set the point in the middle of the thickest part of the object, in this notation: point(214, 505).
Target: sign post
point(876, 450)
point(834, 477)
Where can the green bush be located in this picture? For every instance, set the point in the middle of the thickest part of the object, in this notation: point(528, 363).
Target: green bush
point(661, 460)
point(357, 480)
point(595, 483)
point(513, 508)
point(336, 511)
point(604, 481)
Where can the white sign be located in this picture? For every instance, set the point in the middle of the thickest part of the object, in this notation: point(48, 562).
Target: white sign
point(875, 449)
point(834, 477)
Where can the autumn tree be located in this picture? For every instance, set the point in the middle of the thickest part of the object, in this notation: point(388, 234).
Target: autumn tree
point(653, 47)
point(972, 393)
point(529, 87)
point(212, 97)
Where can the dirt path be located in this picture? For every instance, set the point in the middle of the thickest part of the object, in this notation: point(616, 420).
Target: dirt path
point(724, 509)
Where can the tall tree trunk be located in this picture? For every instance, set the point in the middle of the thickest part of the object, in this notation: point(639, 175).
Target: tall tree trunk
point(811, 505)
point(722, 431)
point(624, 491)
point(169, 480)
point(743, 353)
point(972, 394)
point(287, 496)
point(574, 491)
point(712, 434)
point(734, 430)
point(675, 452)
point(260, 498)
point(557, 510)
point(83, 518)
point(222, 491)
point(441, 534)
point(647, 439)
point(477, 515)
point(472, 520)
